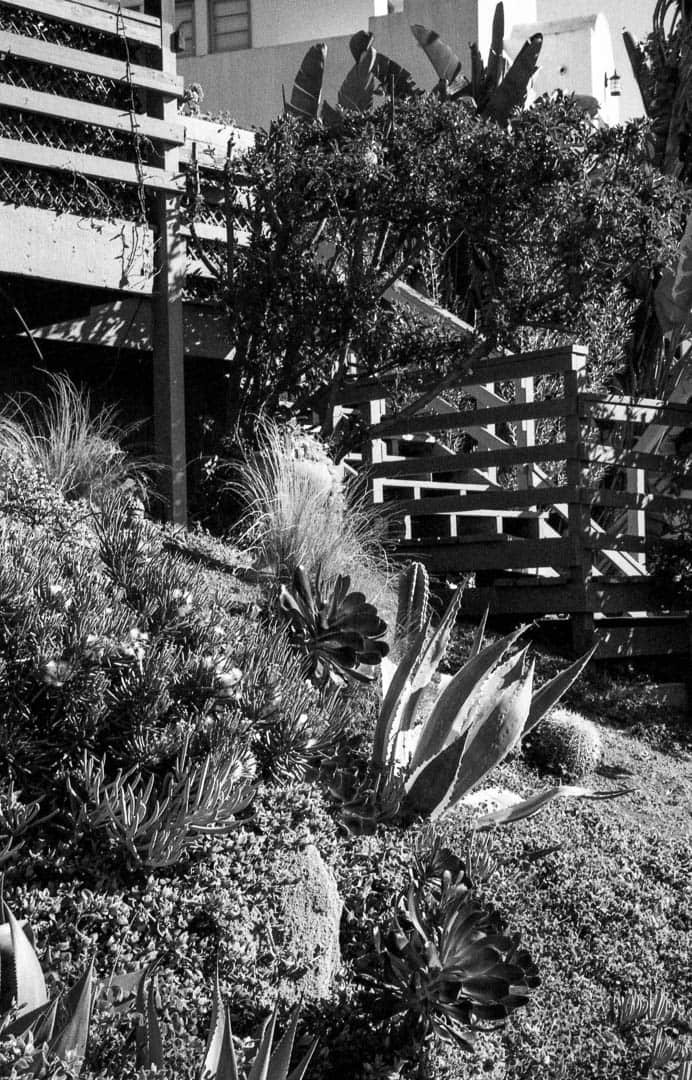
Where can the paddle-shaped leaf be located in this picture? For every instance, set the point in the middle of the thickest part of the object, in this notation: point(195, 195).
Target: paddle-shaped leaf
point(395, 79)
point(528, 807)
point(307, 88)
point(358, 88)
point(496, 54)
point(552, 691)
point(511, 93)
point(445, 61)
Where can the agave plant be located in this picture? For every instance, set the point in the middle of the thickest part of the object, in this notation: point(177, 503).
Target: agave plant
point(60, 1029)
point(337, 632)
point(478, 717)
point(449, 967)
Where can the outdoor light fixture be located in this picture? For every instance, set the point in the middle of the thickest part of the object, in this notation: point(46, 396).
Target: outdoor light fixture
point(612, 83)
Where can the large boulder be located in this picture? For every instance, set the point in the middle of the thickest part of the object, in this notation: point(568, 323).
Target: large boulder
point(305, 917)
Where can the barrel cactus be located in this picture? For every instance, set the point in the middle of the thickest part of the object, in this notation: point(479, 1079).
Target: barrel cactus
point(565, 742)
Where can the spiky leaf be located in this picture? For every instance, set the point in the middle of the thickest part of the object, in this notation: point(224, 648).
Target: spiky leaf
point(29, 984)
point(549, 694)
point(528, 807)
point(70, 1042)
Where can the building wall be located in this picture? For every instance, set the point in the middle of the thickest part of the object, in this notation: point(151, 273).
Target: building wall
point(279, 22)
point(632, 15)
point(248, 84)
point(576, 57)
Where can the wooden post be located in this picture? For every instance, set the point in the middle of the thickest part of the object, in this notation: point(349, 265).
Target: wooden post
point(636, 519)
point(167, 301)
point(526, 431)
point(578, 514)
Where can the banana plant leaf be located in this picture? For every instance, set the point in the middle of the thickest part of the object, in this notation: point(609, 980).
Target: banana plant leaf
point(358, 88)
point(478, 76)
point(445, 61)
point(637, 59)
point(681, 290)
point(394, 78)
point(307, 88)
point(511, 93)
point(496, 54)
point(528, 807)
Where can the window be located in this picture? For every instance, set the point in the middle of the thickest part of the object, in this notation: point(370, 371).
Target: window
point(185, 27)
point(230, 25)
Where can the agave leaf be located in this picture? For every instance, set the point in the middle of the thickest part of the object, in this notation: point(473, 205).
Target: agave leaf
point(70, 1043)
point(432, 654)
point(42, 1018)
point(491, 741)
point(395, 698)
point(220, 1060)
point(148, 1033)
point(429, 786)
point(307, 88)
point(446, 721)
point(511, 93)
point(528, 807)
point(477, 643)
point(260, 1066)
point(281, 1057)
point(445, 61)
point(358, 88)
point(30, 986)
point(495, 56)
point(302, 1066)
point(552, 691)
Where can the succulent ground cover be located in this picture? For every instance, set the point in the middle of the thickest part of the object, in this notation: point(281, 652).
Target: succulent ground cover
point(563, 912)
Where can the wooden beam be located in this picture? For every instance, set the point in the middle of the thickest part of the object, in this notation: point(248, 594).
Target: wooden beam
point(123, 172)
point(54, 246)
point(167, 305)
point(478, 459)
point(611, 455)
point(410, 298)
point(432, 421)
point(498, 499)
point(97, 15)
point(36, 101)
point(45, 52)
point(648, 638)
point(620, 409)
point(512, 555)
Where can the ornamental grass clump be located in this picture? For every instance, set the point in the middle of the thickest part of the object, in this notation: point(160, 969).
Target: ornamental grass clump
point(78, 451)
point(299, 511)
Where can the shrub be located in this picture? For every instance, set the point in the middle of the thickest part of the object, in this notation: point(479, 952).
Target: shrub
point(80, 454)
point(566, 743)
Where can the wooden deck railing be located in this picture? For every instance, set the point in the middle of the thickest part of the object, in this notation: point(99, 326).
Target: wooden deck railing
point(578, 510)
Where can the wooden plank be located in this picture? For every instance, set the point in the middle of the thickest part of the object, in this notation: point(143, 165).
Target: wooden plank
point(77, 250)
point(620, 409)
point(541, 362)
point(123, 172)
point(497, 499)
point(97, 16)
point(646, 639)
point(36, 101)
point(478, 459)
point(515, 555)
point(410, 298)
point(45, 52)
point(217, 233)
point(431, 421)
point(627, 543)
point(524, 598)
point(600, 454)
point(210, 140)
point(623, 500)
point(637, 594)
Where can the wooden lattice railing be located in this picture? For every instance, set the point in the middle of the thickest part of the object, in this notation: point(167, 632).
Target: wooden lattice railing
point(566, 519)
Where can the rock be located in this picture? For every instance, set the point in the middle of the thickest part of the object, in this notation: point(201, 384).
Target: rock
point(305, 918)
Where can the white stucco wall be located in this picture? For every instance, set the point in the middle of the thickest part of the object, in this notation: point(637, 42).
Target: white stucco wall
point(577, 55)
point(632, 15)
